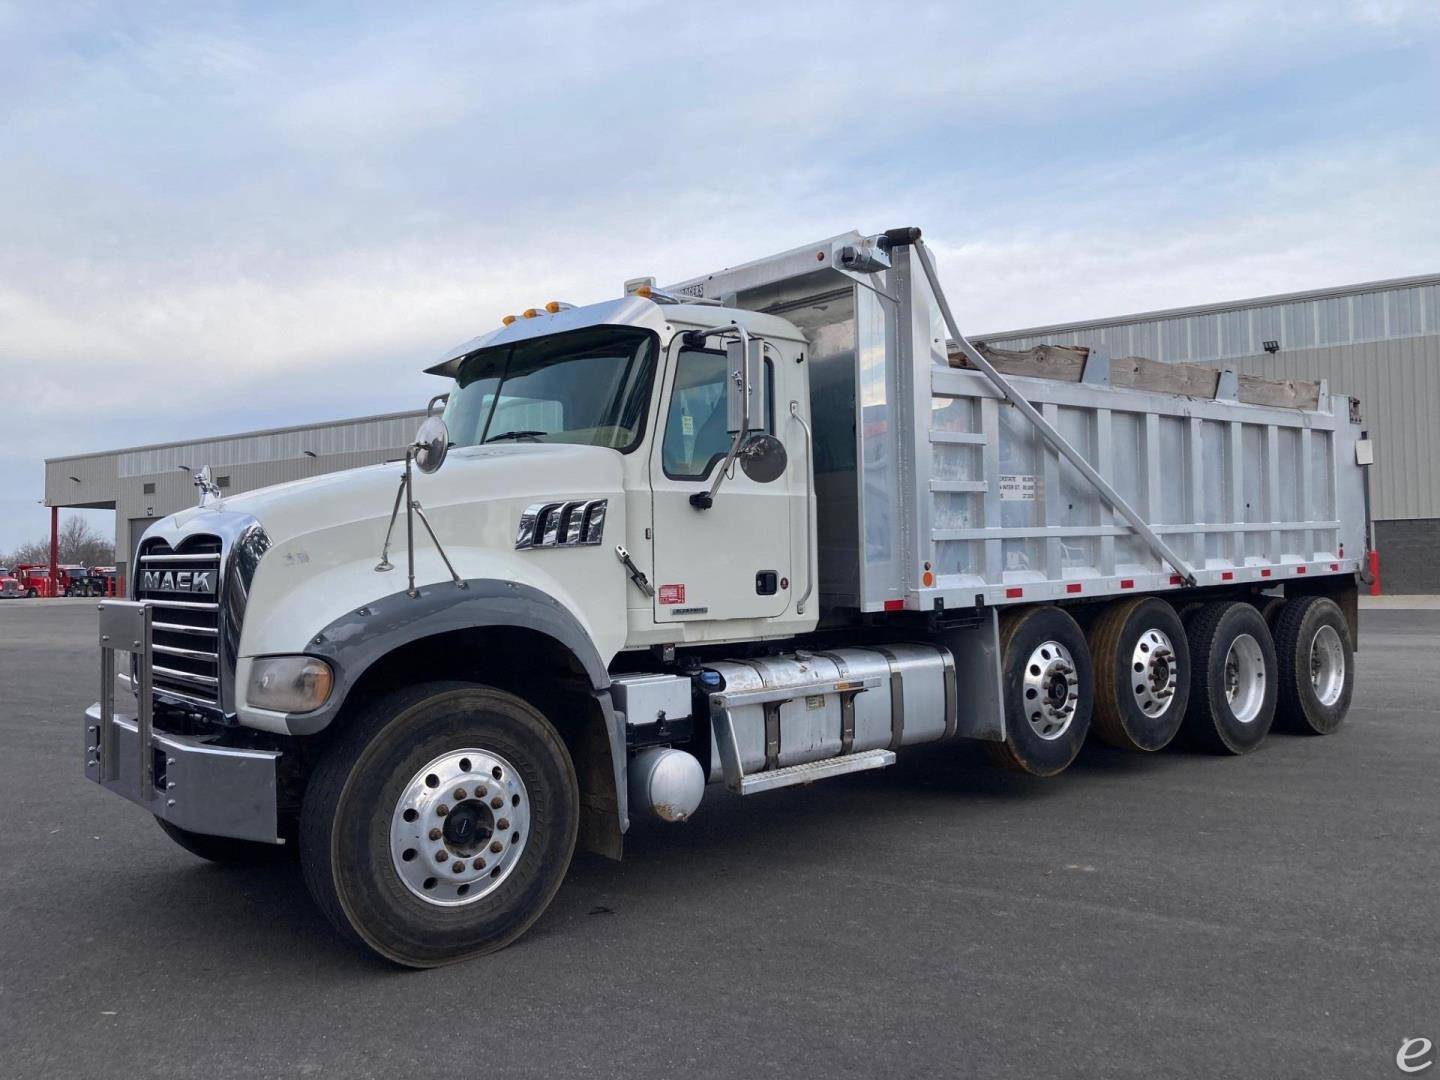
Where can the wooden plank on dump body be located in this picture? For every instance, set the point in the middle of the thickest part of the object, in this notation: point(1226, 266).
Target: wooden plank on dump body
point(1066, 363)
point(1285, 393)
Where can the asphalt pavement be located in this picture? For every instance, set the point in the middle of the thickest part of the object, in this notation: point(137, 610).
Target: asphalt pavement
point(1276, 915)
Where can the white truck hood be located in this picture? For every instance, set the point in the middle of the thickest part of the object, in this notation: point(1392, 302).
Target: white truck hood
point(326, 534)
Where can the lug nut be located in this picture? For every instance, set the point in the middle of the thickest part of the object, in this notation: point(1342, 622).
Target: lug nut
point(458, 868)
point(496, 803)
point(481, 791)
point(459, 794)
point(495, 846)
point(441, 810)
point(442, 855)
point(478, 864)
point(435, 834)
point(503, 824)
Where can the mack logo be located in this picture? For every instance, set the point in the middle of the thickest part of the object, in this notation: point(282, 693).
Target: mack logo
point(193, 581)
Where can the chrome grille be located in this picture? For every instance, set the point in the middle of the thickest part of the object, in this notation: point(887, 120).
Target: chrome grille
point(187, 624)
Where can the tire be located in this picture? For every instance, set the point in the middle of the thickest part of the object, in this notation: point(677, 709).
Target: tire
point(1214, 722)
point(225, 850)
point(1270, 610)
point(30, 594)
point(1043, 741)
point(1316, 664)
point(375, 871)
point(1142, 673)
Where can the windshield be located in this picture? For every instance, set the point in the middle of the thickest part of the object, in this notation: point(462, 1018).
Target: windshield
point(589, 387)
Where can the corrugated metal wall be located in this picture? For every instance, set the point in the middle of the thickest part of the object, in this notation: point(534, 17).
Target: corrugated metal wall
point(1379, 344)
point(148, 481)
point(1367, 313)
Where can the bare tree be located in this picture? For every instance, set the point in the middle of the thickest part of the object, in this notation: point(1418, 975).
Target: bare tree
point(79, 544)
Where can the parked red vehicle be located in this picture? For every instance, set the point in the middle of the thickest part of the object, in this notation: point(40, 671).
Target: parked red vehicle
point(35, 580)
point(9, 585)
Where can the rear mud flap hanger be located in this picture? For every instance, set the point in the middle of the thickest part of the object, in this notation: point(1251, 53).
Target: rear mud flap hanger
point(893, 238)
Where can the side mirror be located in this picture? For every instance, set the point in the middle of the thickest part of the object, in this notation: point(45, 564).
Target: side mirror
point(763, 458)
point(736, 361)
point(432, 443)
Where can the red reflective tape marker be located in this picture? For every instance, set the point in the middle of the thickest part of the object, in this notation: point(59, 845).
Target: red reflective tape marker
point(1127, 583)
point(1265, 572)
point(1011, 594)
point(1299, 569)
point(1174, 579)
point(1227, 575)
point(1073, 587)
point(894, 605)
point(1334, 566)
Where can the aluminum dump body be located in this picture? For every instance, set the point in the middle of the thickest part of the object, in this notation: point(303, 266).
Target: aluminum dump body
point(935, 490)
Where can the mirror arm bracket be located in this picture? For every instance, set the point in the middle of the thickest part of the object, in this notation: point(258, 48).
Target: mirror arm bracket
point(704, 500)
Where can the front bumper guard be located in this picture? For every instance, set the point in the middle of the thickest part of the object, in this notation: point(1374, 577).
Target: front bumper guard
point(191, 783)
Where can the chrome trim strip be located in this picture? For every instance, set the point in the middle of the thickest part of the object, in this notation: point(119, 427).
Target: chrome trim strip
point(576, 523)
point(213, 556)
point(185, 676)
point(189, 654)
point(190, 605)
point(181, 628)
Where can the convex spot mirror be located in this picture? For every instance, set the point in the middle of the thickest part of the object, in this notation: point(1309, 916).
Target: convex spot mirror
point(763, 458)
point(432, 443)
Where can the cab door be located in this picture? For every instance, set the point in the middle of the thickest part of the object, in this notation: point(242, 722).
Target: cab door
point(732, 560)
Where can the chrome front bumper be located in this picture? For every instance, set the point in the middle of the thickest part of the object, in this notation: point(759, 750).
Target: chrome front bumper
point(191, 783)
point(217, 790)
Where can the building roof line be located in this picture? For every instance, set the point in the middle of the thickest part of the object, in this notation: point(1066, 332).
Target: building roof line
point(1210, 309)
point(347, 422)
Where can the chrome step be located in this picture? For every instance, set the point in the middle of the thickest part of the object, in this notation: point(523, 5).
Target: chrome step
point(811, 771)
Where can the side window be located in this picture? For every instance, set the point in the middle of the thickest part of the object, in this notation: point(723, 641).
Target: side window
point(695, 435)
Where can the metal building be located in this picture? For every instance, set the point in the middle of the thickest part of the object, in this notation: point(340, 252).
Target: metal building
point(147, 482)
point(1378, 341)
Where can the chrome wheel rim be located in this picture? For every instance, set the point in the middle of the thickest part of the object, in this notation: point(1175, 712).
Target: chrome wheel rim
point(1153, 672)
point(1327, 665)
point(459, 827)
point(1051, 689)
point(1245, 678)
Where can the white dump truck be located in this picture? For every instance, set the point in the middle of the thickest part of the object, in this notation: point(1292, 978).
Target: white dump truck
point(759, 528)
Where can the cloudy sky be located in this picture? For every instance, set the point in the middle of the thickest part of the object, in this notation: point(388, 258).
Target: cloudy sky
point(216, 217)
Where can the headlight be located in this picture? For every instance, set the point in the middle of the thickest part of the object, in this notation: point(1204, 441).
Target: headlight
point(290, 684)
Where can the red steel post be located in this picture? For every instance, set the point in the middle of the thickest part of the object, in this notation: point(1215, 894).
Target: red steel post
point(54, 587)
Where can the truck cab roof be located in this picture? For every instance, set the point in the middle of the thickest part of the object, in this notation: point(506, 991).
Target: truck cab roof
point(636, 311)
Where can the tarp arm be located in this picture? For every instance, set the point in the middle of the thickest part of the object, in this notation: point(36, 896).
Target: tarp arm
point(1048, 432)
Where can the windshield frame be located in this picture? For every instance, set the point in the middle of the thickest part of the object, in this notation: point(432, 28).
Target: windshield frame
point(643, 337)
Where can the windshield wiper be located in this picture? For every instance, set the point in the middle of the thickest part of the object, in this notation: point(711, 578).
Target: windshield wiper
point(517, 435)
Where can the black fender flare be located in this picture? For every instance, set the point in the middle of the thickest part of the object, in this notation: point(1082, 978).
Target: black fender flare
point(355, 641)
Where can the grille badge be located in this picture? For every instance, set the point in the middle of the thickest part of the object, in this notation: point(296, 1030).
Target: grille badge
point(189, 581)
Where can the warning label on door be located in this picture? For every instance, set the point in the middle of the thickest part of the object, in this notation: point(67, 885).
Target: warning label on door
point(672, 594)
point(1017, 487)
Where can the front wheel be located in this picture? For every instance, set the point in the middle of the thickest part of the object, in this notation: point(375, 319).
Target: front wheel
point(440, 824)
